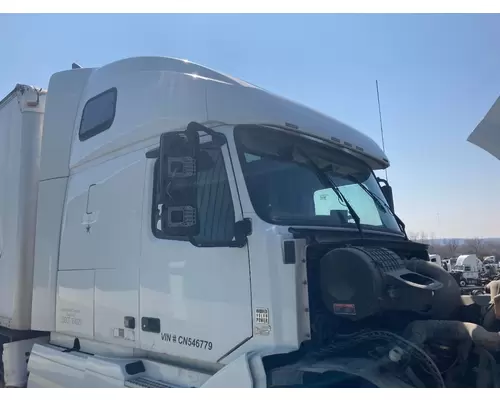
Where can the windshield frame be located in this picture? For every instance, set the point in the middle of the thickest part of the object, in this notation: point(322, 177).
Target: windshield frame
point(320, 222)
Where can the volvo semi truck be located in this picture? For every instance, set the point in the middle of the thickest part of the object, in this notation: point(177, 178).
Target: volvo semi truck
point(166, 225)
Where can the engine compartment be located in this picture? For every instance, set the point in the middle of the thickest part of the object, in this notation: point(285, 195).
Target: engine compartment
point(382, 315)
point(358, 282)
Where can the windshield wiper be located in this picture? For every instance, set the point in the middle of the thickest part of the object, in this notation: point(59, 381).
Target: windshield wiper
point(325, 179)
point(379, 203)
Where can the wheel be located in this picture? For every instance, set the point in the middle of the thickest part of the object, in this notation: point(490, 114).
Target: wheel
point(463, 283)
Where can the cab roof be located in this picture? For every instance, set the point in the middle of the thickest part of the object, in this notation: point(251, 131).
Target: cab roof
point(192, 92)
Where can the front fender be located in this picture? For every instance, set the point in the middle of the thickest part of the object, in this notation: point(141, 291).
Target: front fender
point(247, 371)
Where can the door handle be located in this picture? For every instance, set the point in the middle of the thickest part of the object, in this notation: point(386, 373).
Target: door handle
point(88, 199)
point(90, 216)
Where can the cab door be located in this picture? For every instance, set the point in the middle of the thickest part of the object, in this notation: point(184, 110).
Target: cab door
point(195, 297)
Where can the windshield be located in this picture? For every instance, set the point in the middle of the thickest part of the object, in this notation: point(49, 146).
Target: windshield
point(285, 189)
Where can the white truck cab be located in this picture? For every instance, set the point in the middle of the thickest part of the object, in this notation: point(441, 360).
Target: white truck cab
point(470, 267)
point(187, 223)
point(436, 259)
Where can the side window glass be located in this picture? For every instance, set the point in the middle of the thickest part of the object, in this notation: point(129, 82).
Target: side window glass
point(98, 114)
point(215, 203)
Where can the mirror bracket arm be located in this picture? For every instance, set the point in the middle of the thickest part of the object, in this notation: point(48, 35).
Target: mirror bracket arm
point(240, 240)
point(233, 243)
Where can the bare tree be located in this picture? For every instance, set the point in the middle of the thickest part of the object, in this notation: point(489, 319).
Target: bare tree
point(452, 246)
point(475, 245)
point(417, 236)
point(432, 243)
point(423, 237)
point(413, 236)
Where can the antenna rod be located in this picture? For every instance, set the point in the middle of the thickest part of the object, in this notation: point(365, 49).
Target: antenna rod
point(381, 126)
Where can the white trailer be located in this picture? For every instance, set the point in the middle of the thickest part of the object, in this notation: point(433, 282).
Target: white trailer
point(177, 227)
point(21, 123)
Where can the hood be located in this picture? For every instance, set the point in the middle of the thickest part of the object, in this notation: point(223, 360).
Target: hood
point(487, 134)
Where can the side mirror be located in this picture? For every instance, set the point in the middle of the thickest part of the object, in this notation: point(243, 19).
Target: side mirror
point(178, 163)
point(387, 192)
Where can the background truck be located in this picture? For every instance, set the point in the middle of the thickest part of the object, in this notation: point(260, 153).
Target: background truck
point(166, 225)
point(467, 269)
point(436, 259)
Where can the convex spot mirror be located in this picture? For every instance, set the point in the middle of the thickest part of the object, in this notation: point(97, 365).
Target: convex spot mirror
point(387, 192)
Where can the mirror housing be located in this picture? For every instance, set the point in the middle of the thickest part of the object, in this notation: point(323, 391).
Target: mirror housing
point(178, 163)
point(180, 159)
point(387, 192)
